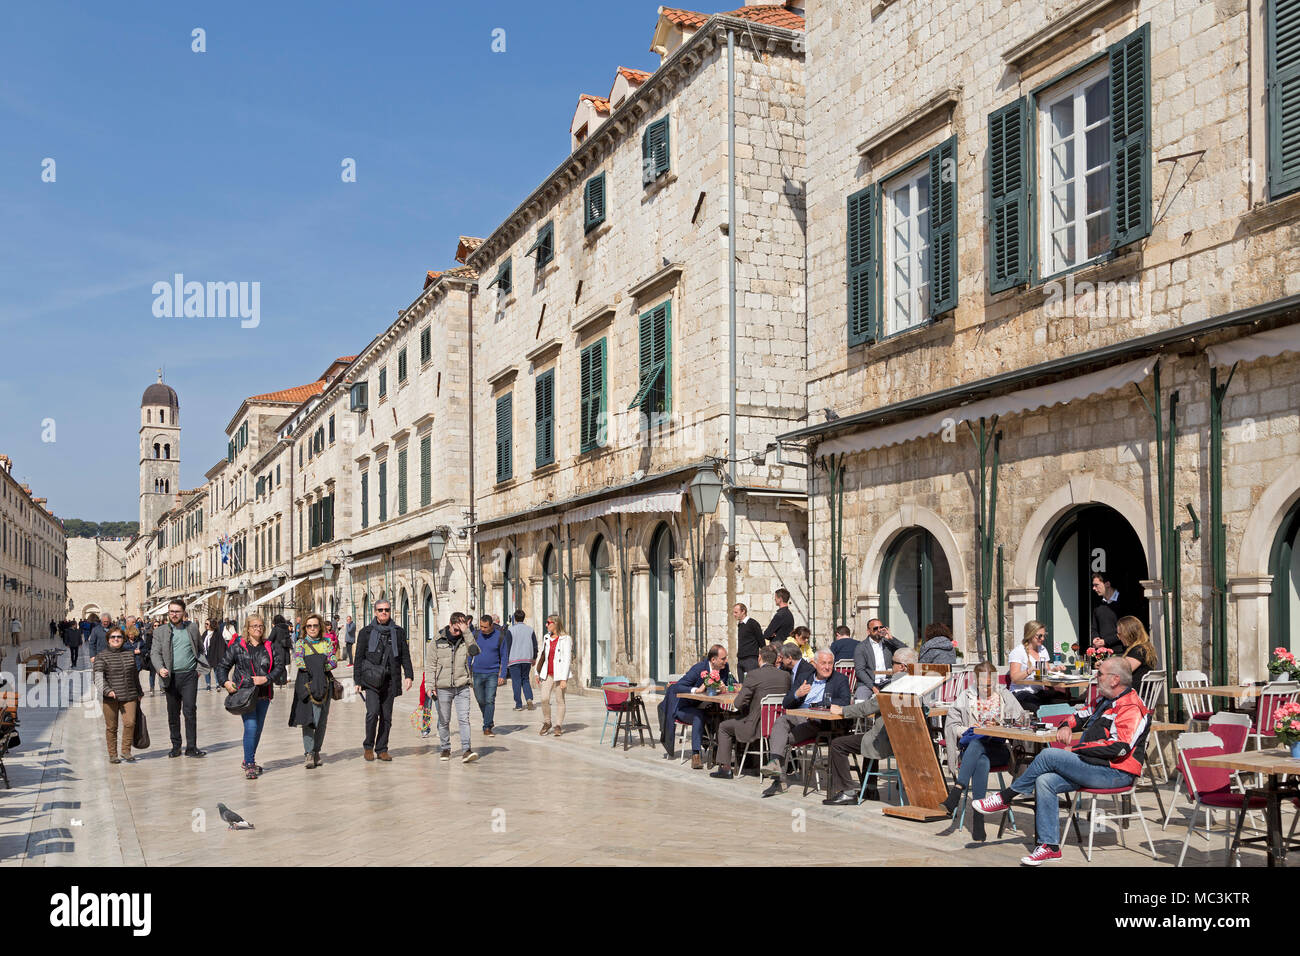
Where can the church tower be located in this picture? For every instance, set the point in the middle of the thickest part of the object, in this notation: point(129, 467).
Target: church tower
point(160, 452)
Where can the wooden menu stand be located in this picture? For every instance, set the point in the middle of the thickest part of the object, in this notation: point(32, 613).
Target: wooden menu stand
point(909, 736)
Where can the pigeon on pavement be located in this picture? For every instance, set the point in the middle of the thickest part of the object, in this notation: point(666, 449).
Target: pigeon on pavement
point(234, 819)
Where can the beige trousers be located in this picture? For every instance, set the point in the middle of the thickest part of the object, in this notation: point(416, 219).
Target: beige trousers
point(548, 687)
point(112, 709)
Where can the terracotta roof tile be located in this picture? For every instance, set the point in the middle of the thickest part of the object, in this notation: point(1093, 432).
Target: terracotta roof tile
point(461, 272)
point(634, 76)
point(601, 103)
point(770, 14)
point(465, 248)
point(291, 396)
point(684, 18)
point(346, 358)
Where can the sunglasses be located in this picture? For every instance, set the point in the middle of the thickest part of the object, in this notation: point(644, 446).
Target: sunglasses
point(382, 610)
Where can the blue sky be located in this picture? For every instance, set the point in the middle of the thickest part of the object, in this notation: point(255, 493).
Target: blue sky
point(225, 166)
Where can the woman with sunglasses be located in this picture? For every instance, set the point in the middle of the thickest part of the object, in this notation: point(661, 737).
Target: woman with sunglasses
point(316, 657)
point(118, 682)
point(250, 658)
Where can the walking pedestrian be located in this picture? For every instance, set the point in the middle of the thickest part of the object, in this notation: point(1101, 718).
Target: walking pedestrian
point(350, 638)
point(488, 667)
point(118, 683)
point(383, 672)
point(72, 639)
point(316, 656)
point(99, 635)
point(447, 674)
point(252, 659)
point(282, 643)
point(213, 650)
point(520, 652)
point(553, 671)
point(175, 657)
point(146, 659)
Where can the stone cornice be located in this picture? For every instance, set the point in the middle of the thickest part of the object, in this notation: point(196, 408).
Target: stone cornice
point(668, 275)
point(1074, 18)
point(920, 121)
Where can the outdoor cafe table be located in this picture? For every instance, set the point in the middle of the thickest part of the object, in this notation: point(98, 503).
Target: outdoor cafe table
point(712, 715)
point(633, 716)
point(826, 728)
point(1273, 763)
point(1233, 691)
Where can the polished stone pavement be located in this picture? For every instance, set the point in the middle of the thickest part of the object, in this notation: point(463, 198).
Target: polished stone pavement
point(528, 800)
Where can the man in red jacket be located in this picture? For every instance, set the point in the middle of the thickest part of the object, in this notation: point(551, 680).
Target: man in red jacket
point(1109, 754)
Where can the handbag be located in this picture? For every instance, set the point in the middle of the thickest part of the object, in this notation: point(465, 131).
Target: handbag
point(370, 675)
point(336, 689)
point(242, 699)
point(140, 738)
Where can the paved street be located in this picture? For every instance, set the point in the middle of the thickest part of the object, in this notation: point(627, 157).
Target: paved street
point(529, 800)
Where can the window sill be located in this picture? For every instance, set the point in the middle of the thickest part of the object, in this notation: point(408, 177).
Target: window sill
point(907, 339)
point(1105, 269)
point(651, 189)
point(1274, 212)
point(544, 272)
point(504, 483)
point(541, 471)
point(590, 238)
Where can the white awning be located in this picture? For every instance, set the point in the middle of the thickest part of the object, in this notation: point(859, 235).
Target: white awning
point(663, 501)
point(361, 564)
point(204, 598)
point(288, 585)
point(1028, 399)
point(519, 527)
point(159, 609)
point(1257, 346)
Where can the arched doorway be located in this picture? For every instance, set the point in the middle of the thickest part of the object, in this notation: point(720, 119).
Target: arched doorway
point(429, 625)
point(1090, 539)
point(510, 588)
point(406, 613)
point(365, 610)
point(602, 610)
point(1284, 566)
point(914, 581)
point(663, 606)
point(550, 585)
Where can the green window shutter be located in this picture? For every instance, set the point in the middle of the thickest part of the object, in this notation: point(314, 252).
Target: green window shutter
point(503, 278)
point(383, 382)
point(653, 394)
point(943, 227)
point(593, 202)
point(545, 418)
point(864, 264)
point(1009, 196)
point(543, 245)
point(426, 470)
point(402, 463)
point(504, 423)
point(329, 519)
point(1130, 134)
point(593, 397)
point(383, 490)
point(1282, 26)
point(654, 151)
point(365, 500)
point(277, 467)
point(401, 365)
point(426, 346)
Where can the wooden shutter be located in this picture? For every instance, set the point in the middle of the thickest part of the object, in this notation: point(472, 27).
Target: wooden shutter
point(943, 227)
point(426, 346)
point(401, 481)
point(1008, 196)
point(329, 518)
point(863, 250)
point(1130, 134)
point(594, 202)
point(401, 366)
point(426, 470)
point(593, 396)
point(504, 423)
point(383, 490)
point(545, 400)
point(365, 499)
point(1282, 25)
point(543, 245)
point(654, 151)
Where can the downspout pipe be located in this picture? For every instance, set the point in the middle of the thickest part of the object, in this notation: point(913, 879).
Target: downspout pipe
point(473, 511)
point(731, 301)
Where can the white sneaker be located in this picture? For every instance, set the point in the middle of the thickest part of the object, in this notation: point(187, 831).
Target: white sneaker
point(469, 757)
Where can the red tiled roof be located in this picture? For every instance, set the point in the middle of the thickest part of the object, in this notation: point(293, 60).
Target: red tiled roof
point(462, 272)
point(346, 358)
point(290, 396)
point(684, 18)
point(634, 76)
point(600, 102)
point(771, 14)
point(465, 248)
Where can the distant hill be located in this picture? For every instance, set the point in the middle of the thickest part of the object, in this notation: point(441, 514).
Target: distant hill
point(76, 528)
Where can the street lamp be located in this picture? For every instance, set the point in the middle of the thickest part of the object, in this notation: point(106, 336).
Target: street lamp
point(327, 569)
point(705, 489)
point(437, 545)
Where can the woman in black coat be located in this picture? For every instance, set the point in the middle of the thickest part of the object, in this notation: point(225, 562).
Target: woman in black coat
point(252, 659)
point(282, 641)
point(317, 657)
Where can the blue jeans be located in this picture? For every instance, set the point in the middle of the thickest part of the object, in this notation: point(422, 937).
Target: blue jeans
point(485, 692)
point(973, 771)
point(253, 721)
point(446, 699)
point(519, 679)
point(1054, 772)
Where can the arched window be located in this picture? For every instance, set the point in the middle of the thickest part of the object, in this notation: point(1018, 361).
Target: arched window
point(429, 625)
point(406, 613)
point(1284, 565)
point(663, 606)
point(167, 452)
point(914, 581)
point(602, 610)
point(157, 449)
point(162, 416)
point(550, 585)
point(148, 416)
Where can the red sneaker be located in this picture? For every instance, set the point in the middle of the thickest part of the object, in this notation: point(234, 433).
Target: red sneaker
point(1044, 854)
point(993, 804)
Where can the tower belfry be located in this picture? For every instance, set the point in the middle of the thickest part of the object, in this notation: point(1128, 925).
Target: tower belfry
point(160, 452)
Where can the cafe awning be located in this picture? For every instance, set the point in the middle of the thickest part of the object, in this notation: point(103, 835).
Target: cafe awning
point(287, 586)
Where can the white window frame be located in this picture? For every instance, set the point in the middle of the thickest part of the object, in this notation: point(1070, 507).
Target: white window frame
point(1074, 89)
point(918, 292)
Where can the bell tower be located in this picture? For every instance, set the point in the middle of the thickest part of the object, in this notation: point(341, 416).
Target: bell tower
point(160, 452)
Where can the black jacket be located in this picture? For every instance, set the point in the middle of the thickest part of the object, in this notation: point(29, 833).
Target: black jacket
point(241, 662)
point(837, 687)
point(282, 641)
point(749, 639)
point(779, 628)
point(396, 666)
point(215, 648)
point(1105, 624)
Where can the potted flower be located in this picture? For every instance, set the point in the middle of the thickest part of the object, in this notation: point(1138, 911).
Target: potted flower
point(1283, 662)
point(1098, 654)
point(713, 683)
point(1286, 727)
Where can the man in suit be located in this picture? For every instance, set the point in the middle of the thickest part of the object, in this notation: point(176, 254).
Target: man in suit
point(673, 710)
point(827, 686)
point(383, 671)
point(844, 646)
point(876, 653)
point(873, 744)
point(749, 638)
point(782, 623)
point(1106, 615)
point(764, 680)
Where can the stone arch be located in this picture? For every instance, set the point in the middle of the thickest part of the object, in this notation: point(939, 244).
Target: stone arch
point(1251, 589)
point(644, 535)
point(585, 541)
point(1266, 520)
point(1080, 490)
point(911, 516)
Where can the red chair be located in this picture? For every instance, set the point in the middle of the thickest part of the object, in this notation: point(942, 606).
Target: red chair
point(1273, 696)
point(845, 667)
point(1211, 787)
point(769, 709)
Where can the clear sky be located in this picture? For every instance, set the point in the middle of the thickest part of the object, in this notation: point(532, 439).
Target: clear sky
point(226, 166)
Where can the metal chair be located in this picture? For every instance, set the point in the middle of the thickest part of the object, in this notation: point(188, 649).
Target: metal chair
point(845, 667)
point(769, 709)
point(1273, 696)
point(1152, 691)
point(1116, 794)
point(1198, 705)
point(1211, 787)
point(608, 710)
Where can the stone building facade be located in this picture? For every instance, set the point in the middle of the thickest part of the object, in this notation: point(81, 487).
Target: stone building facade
point(600, 363)
point(1056, 215)
point(96, 576)
point(33, 562)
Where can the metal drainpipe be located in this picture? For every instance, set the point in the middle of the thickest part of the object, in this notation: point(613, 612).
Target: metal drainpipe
point(472, 545)
point(731, 302)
